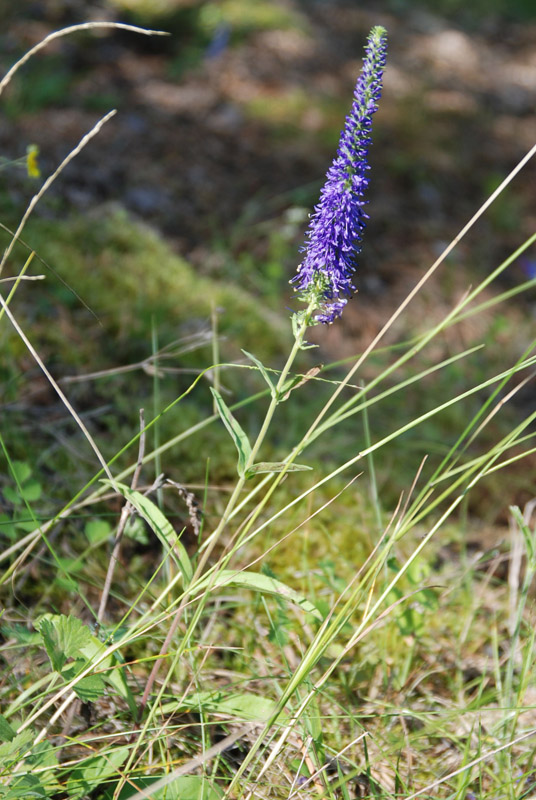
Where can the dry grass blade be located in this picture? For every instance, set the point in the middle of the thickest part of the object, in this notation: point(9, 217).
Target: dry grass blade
point(50, 180)
point(84, 26)
point(57, 389)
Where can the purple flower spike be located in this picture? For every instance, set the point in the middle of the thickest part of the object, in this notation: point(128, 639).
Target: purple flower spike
point(337, 224)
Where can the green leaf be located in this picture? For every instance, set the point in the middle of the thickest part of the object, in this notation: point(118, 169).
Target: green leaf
point(7, 528)
point(93, 772)
point(259, 583)
point(238, 436)
point(185, 787)
point(160, 525)
point(21, 634)
point(97, 530)
point(17, 747)
point(7, 734)
point(25, 787)
point(275, 466)
point(262, 369)
point(21, 471)
point(244, 706)
point(67, 639)
point(12, 495)
point(87, 689)
point(63, 637)
point(111, 671)
point(136, 530)
point(31, 491)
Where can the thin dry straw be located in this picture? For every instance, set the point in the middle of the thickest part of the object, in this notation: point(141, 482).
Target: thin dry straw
point(84, 26)
point(85, 139)
point(57, 389)
point(35, 199)
point(51, 178)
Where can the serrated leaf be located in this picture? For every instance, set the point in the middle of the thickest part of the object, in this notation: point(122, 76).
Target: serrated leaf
point(262, 369)
point(7, 734)
point(275, 466)
point(259, 583)
point(238, 436)
point(93, 772)
point(97, 530)
point(63, 637)
point(17, 747)
point(91, 649)
point(160, 525)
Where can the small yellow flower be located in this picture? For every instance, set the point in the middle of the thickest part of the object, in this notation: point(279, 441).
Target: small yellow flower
point(32, 165)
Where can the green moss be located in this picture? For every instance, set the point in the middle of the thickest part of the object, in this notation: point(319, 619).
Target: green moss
point(130, 281)
point(128, 276)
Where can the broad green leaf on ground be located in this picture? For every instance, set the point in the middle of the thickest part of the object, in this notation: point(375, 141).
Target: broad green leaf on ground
point(21, 634)
point(246, 706)
point(91, 774)
point(259, 583)
point(160, 525)
point(27, 488)
point(6, 731)
point(97, 530)
point(238, 436)
point(185, 787)
point(21, 471)
point(40, 780)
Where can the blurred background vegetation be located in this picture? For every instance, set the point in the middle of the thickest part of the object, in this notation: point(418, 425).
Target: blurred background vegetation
point(188, 211)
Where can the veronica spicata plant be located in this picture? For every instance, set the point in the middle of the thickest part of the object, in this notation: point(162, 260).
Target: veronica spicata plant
point(324, 278)
point(324, 281)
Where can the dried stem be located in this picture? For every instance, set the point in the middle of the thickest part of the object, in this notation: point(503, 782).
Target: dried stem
point(125, 514)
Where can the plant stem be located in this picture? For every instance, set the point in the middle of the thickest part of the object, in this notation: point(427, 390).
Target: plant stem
point(215, 536)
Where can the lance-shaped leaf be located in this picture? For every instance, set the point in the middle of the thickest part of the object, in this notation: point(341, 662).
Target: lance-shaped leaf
point(257, 582)
point(275, 466)
point(160, 525)
point(238, 436)
point(262, 369)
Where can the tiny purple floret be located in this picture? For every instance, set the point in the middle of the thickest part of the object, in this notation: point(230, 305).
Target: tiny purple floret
point(337, 224)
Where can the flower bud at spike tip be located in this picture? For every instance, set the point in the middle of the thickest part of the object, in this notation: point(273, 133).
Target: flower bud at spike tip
point(336, 228)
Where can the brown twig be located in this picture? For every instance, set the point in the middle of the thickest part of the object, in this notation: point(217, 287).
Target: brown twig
point(125, 514)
